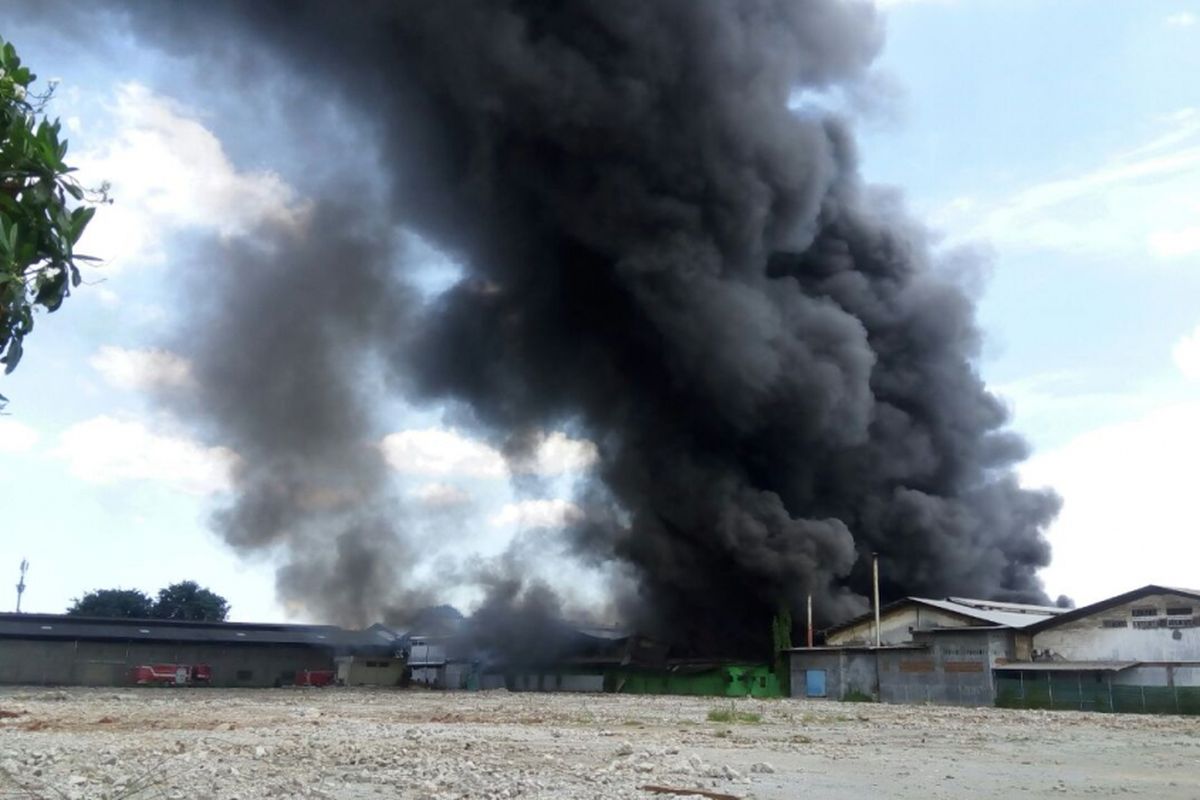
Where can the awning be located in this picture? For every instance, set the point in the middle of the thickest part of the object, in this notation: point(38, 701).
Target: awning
point(1066, 666)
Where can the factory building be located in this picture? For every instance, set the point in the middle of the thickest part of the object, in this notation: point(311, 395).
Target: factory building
point(929, 651)
point(53, 649)
point(1138, 651)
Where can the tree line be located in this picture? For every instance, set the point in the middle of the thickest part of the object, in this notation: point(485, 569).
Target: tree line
point(186, 600)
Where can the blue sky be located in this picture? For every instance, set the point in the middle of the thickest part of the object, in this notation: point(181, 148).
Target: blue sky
point(1058, 139)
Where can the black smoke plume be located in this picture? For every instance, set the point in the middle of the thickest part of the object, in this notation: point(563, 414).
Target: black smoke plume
point(661, 252)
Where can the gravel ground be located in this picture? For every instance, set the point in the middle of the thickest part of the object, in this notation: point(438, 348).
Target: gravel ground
point(350, 743)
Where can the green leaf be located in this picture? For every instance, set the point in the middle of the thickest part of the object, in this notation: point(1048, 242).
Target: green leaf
point(13, 357)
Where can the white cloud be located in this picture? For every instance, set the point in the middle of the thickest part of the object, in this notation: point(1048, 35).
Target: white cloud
point(142, 370)
point(437, 452)
point(441, 496)
point(557, 454)
point(537, 514)
point(1142, 200)
point(1187, 355)
point(169, 172)
point(16, 437)
point(1129, 515)
point(1183, 19)
point(440, 452)
point(107, 296)
point(104, 450)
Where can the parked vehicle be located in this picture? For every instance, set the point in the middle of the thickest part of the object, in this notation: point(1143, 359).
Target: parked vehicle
point(171, 675)
point(315, 677)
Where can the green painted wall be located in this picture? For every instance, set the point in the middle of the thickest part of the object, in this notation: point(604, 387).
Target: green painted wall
point(744, 680)
point(1089, 692)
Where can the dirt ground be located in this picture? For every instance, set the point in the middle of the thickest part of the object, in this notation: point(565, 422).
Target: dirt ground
point(349, 743)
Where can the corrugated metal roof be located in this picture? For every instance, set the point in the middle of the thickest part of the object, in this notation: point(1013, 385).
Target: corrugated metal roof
point(56, 626)
point(1009, 619)
point(1067, 666)
point(840, 647)
point(998, 605)
point(982, 610)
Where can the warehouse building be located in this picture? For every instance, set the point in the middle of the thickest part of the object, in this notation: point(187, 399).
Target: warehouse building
point(53, 649)
point(929, 651)
point(1138, 651)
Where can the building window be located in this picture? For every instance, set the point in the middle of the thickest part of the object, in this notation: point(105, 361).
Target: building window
point(245, 674)
point(1179, 611)
point(1181, 622)
point(1145, 612)
point(1115, 623)
point(1145, 624)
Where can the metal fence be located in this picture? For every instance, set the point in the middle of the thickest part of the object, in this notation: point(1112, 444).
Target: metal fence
point(1092, 692)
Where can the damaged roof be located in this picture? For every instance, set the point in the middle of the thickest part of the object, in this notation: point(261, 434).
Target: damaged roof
point(991, 612)
point(61, 626)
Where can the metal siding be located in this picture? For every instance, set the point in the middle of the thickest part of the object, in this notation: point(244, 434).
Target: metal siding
point(88, 663)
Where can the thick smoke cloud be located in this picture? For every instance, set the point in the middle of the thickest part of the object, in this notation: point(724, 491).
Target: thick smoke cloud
point(659, 252)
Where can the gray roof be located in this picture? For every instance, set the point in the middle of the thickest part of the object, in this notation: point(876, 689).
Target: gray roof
point(59, 626)
point(1008, 615)
point(995, 613)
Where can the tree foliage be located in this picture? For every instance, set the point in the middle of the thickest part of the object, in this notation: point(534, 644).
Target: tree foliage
point(43, 210)
point(124, 603)
point(781, 630)
point(186, 600)
point(781, 641)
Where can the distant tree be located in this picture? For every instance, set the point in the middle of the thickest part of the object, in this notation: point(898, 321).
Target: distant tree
point(781, 631)
point(43, 211)
point(781, 640)
point(187, 600)
point(125, 603)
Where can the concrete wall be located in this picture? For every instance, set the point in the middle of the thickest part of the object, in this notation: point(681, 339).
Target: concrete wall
point(556, 682)
point(896, 626)
point(948, 668)
point(366, 671)
point(1160, 637)
point(846, 672)
point(67, 663)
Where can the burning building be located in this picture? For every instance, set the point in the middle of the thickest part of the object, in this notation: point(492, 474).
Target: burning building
point(665, 247)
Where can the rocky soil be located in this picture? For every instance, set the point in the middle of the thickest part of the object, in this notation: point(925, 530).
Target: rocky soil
point(349, 743)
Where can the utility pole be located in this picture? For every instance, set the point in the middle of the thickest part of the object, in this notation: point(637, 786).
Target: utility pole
point(875, 586)
point(810, 628)
point(21, 583)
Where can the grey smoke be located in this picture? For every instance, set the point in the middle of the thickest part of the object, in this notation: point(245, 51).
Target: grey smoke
point(660, 253)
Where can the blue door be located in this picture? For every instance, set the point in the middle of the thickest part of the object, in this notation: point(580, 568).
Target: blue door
point(814, 683)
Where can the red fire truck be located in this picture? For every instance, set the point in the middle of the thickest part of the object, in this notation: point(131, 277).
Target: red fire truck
point(315, 677)
point(171, 675)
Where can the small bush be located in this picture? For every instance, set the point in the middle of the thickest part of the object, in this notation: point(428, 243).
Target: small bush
point(855, 696)
point(733, 715)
